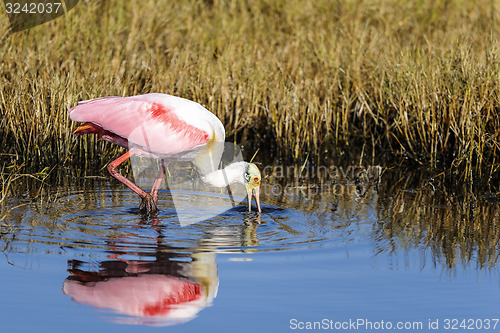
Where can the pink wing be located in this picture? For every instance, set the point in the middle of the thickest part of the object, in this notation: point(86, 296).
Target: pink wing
point(158, 124)
point(148, 295)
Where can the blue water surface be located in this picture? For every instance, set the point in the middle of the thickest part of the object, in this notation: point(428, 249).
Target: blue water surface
point(288, 270)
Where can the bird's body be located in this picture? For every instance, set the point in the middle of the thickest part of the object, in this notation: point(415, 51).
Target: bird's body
point(154, 125)
point(164, 127)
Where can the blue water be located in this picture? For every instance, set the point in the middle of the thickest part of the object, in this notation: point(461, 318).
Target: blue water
point(325, 265)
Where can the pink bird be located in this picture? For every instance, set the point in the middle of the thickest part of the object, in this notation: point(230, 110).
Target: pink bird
point(150, 298)
point(167, 128)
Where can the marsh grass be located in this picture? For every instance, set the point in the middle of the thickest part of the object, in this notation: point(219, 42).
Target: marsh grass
point(412, 212)
point(458, 226)
point(450, 223)
point(12, 176)
point(416, 79)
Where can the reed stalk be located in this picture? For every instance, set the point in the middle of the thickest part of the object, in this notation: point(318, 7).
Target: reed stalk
point(416, 78)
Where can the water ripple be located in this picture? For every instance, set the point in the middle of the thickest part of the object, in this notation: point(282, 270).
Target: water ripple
point(108, 218)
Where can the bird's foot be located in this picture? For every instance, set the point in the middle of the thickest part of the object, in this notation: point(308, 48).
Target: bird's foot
point(148, 207)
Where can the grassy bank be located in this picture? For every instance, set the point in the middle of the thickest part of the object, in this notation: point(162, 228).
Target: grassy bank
point(418, 79)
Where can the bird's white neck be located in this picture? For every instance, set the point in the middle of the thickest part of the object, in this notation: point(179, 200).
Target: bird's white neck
point(233, 173)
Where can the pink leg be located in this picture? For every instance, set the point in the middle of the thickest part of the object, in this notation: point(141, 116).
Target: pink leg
point(113, 170)
point(148, 206)
point(157, 183)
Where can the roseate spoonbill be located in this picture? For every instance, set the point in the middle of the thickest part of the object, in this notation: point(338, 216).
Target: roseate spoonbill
point(154, 298)
point(164, 127)
point(158, 291)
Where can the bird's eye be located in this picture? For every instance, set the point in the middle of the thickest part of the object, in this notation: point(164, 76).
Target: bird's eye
point(256, 179)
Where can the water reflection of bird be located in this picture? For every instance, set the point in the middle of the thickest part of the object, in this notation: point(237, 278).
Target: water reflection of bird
point(162, 292)
point(167, 128)
point(154, 281)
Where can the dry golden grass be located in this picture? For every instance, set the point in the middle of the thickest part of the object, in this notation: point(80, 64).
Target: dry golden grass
point(418, 78)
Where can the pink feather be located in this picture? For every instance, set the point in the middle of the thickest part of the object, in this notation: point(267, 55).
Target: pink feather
point(156, 125)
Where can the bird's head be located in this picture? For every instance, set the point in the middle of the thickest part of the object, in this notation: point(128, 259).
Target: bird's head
point(252, 184)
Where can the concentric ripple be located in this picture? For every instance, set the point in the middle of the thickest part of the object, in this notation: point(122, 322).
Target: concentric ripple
point(107, 219)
